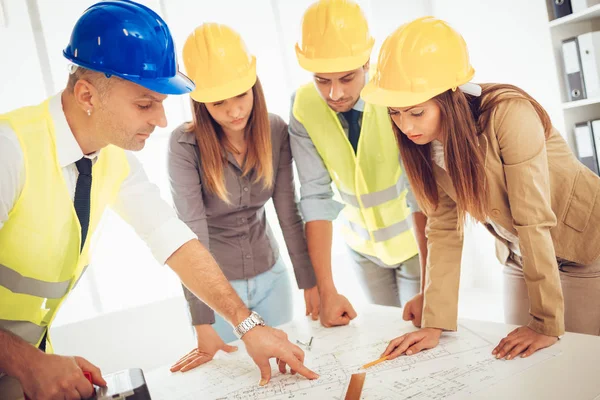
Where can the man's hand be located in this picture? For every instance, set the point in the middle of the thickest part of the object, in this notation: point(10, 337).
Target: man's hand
point(313, 302)
point(209, 343)
point(264, 342)
point(413, 310)
point(524, 341)
point(53, 377)
point(336, 310)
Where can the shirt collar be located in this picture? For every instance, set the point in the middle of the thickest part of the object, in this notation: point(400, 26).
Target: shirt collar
point(67, 148)
point(360, 105)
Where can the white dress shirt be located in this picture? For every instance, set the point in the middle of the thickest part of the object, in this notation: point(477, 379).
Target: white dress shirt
point(138, 203)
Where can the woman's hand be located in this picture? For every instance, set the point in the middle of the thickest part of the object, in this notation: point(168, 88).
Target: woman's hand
point(524, 341)
point(413, 342)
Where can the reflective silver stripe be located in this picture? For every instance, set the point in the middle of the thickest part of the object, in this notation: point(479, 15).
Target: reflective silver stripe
point(383, 234)
point(374, 199)
point(26, 330)
point(18, 283)
point(349, 199)
point(382, 196)
point(359, 230)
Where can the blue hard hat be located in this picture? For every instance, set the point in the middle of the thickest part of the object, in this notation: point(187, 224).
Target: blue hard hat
point(128, 40)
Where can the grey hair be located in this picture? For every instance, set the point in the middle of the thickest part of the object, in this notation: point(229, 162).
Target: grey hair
point(98, 79)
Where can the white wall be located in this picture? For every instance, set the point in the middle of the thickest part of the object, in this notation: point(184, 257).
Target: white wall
point(21, 81)
point(509, 42)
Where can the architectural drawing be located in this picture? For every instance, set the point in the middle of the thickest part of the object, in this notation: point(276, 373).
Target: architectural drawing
point(460, 365)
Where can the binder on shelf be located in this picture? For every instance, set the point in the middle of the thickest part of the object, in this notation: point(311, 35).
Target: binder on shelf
point(589, 53)
point(596, 135)
point(562, 8)
point(580, 5)
point(584, 143)
point(573, 70)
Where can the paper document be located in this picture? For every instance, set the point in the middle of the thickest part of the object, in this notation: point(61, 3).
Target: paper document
point(459, 366)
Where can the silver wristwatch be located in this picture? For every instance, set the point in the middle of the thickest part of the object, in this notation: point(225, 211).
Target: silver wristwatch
point(253, 320)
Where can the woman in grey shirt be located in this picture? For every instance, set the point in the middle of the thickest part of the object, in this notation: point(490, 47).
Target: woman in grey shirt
point(223, 167)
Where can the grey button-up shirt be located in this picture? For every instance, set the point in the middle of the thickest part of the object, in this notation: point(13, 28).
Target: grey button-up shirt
point(316, 194)
point(238, 235)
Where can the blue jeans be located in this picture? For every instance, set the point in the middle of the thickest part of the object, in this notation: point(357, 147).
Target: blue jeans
point(269, 294)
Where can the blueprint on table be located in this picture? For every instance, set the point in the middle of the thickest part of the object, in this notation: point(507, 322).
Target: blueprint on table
point(460, 365)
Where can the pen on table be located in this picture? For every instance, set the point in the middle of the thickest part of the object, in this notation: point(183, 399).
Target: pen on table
point(372, 363)
point(307, 345)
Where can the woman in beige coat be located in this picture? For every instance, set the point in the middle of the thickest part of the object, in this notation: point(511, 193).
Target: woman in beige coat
point(491, 152)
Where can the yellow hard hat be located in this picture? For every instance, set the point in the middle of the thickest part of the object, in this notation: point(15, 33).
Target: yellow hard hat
point(217, 60)
point(417, 62)
point(335, 37)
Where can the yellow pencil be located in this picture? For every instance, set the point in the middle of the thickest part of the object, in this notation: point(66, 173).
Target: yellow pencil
point(382, 359)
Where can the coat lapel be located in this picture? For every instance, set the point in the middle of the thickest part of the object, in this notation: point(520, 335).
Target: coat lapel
point(443, 178)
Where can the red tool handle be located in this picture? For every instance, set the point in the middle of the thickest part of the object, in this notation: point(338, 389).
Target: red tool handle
point(88, 376)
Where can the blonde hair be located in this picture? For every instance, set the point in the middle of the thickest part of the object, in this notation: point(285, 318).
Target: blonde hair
point(213, 145)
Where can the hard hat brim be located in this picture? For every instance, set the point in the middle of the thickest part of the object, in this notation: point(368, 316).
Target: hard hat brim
point(178, 84)
point(228, 90)
point(392, 98)
point(333, 65)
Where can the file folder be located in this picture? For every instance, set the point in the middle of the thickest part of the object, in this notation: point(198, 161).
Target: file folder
point(596, 135)
point(584, 143)
point(562, 8)
point(581, 5)
point(589, 53)
point(573, 72)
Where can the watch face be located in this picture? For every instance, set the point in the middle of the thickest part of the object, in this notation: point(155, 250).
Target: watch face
point(258, 318)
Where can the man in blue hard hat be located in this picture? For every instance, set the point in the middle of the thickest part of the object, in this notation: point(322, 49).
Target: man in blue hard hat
point(62, 163)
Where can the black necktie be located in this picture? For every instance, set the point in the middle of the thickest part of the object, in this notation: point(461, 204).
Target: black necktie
point(82, 208)
point(82, 195)
point(352, 118)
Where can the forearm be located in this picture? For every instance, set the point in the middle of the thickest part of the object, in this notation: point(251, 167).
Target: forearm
point(294, 236)
point(199, 272)
point(444, 254)
point(419, 224)
point(200, 313)
point(292, 228)
point(14, 354)
point(319, 236)
point(440, 306)
point(542, 278)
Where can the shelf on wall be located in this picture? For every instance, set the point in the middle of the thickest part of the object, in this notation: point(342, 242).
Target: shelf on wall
point(580, 103)
point(585, 15)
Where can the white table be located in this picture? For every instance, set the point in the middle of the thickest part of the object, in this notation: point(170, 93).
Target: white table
point(568, 370)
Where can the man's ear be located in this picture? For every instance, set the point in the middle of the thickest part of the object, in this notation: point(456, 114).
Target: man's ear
point(85, 94)
point(367, 66)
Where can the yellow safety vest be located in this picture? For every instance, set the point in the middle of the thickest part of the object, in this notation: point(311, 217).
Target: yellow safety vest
point(40, 259)
point(376, 214)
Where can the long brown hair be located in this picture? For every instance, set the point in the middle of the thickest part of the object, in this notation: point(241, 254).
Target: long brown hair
point(463, 119)
point(214, 145)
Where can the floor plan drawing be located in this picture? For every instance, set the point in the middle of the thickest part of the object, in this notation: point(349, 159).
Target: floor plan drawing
point(459, 366)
